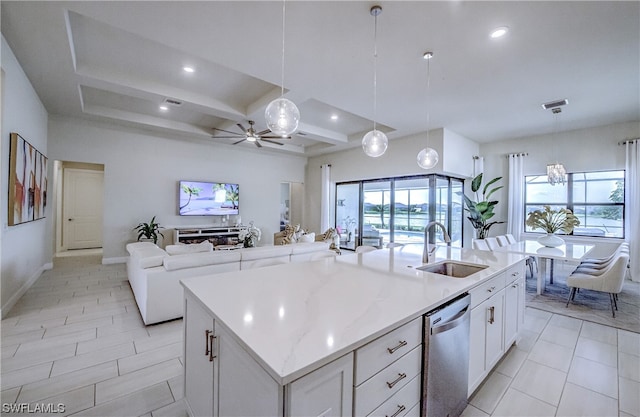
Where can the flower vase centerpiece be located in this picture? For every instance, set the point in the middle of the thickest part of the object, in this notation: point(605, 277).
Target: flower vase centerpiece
point(250, 236)
point(552, 221)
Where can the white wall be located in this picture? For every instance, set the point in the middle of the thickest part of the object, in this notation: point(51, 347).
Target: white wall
point(26, 248)
point(142, 171)
point(594, 149)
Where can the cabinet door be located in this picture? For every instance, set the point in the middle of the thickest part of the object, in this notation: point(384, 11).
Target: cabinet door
point(200, 364)
point(494, 324)
point(477, 345)
point(511, 314)
point(326, 392)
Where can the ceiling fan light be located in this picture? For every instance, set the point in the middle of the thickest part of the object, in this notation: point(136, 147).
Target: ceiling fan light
point(375, 143)
point(427, 158)
point(282, 116)
point(251, 138)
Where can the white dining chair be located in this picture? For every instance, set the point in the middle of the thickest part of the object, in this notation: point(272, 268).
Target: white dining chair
point(394, 245)
point(609, 280)
point(365, 248)
point(510, 238)
point(492, 242)
point(502, 240)
point(480, 244)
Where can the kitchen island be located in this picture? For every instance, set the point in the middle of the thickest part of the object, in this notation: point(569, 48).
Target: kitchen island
point(294, 339)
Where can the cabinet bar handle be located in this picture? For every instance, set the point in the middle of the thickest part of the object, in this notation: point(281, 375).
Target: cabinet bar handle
point(515, 274)
point(492, 311)
point(401, 408)
point(398, 379)
point(207, 349)
point(491, 289)
point(400, 344)
point(211, 356)
point(514, 286)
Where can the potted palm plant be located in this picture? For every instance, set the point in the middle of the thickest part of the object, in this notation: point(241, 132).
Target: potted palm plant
point(149, 231)
point(552, 221)
point(481, 211)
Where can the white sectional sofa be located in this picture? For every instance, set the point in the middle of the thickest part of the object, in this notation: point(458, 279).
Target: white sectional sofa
point(155, 273)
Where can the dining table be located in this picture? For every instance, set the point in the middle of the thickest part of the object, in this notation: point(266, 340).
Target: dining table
point(569, 251)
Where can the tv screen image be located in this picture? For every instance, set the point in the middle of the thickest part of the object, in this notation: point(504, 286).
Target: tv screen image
point(198, 198)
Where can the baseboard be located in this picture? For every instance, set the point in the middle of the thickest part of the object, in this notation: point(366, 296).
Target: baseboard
point(117, 260)
point(23, 289)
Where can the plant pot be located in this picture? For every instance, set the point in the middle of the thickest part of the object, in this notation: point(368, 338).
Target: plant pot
point(550, 240)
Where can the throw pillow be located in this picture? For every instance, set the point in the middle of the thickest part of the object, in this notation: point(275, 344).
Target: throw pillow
point(289, 232)
point(307, 238)
point(205, 246)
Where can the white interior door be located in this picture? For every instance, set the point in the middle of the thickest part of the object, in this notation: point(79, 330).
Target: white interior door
point(82, 208)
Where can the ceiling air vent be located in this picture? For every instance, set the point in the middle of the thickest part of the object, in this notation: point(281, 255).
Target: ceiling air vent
point(173, 101)
point(556, 103)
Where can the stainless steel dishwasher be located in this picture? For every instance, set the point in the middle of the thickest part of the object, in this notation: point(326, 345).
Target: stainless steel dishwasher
point(446, 359)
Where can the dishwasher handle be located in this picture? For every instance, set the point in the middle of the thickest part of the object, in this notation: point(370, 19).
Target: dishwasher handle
point(455, 321)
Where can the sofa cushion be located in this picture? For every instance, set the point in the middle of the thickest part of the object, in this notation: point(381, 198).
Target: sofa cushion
point(309, 247)
point(249, 254)
point(148, 257)
point(205, 246)
point(193, 260)
point(133, 246)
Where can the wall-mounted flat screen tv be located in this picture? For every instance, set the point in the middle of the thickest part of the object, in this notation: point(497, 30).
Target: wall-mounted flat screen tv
point(199, 198)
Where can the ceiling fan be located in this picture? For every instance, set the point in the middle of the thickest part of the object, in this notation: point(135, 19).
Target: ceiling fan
point(250, 135)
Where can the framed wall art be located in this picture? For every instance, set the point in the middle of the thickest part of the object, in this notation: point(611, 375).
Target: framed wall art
point(27, 182)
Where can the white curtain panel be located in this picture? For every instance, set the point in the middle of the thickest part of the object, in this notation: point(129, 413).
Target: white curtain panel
point(326, 198)
point(515, 219)
point(632, 205)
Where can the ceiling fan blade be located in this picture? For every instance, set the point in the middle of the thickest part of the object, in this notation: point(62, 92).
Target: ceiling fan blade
point(276, 137)
point(226, 131)
point(241, 127)
point(258, 144)
point(263, 132)
point(272, 141)
point(227, 137)
point(235, 143)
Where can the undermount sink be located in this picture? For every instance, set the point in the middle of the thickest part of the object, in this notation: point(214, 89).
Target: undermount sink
point(452, 269)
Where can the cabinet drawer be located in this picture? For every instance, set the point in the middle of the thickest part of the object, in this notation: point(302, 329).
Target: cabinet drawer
point(514, 272)
point(487, 289)
point(405, 401)
point(387, 382)
point(378, 354)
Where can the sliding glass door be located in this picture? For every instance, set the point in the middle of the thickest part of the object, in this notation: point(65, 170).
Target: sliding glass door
point(377, 212)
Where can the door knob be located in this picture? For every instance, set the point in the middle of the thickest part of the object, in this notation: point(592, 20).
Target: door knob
point(70, 220)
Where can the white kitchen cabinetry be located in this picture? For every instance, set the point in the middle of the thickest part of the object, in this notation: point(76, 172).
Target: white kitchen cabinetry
point(514, 304)
point(496, 318)
point(387, 372)
point(222, 379)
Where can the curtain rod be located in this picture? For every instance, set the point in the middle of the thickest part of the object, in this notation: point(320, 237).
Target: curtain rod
point(624, 142)
point(518, 154)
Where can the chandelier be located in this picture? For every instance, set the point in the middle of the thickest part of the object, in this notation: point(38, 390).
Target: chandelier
point(556, 173)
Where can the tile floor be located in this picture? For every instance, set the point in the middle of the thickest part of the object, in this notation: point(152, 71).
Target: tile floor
point(76, 338)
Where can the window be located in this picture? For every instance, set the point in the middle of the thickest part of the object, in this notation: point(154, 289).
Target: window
point(398, 209)
point(596, 198)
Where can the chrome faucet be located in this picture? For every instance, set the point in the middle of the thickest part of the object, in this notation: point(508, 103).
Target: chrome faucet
point(428, 251)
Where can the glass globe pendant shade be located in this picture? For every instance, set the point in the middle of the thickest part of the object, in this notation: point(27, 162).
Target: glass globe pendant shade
point(375, 143)
point(427, 158)
point(282, 116)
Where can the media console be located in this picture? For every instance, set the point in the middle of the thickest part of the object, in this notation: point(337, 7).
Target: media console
point(217, 235)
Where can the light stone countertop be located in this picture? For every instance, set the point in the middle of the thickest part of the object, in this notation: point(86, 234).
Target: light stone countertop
point(294, 318)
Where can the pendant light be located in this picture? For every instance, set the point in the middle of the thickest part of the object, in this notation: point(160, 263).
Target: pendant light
point(375, 142)
point(282, 115)
point(428, 157)
point(556, 173)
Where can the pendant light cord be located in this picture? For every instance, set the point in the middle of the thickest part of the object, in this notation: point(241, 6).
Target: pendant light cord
point(427, 98)
point(375, 71)
point(284, 12)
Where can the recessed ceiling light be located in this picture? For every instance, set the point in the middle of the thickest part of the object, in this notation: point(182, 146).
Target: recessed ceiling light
point(164, 108)
point(427, 55)
point(188, 69)
point(334, 117)
point(499, 32)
